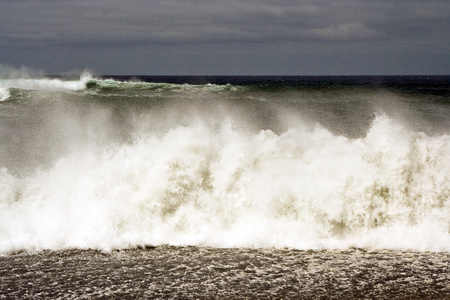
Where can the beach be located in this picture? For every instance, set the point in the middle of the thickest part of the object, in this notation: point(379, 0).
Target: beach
point(211, 273)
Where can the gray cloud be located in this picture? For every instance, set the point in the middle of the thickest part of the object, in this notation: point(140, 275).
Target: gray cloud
point(243, 34)
point(93, 23)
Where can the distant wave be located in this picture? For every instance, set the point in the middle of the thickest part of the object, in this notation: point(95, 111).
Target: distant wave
point(4, 94)
point(110, 85)
point(45, 84)
point(86, 81)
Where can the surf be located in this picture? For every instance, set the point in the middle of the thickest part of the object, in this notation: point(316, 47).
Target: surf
point(305, 188)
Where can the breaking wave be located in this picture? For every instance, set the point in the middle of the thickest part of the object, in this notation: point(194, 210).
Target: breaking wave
point(87, 82)
point(111, 85)
point(4, 94)
point(305, 188)
point(45, 84)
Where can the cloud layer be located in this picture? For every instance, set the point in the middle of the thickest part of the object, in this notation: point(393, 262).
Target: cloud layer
point(228, 36)
point(114, 23)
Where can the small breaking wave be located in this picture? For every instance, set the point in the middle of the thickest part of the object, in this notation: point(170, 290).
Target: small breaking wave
point(4, 94)
point(108, 85)
point(49, 84)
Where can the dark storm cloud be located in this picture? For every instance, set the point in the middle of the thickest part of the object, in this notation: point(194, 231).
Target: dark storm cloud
point(27, 23)
point(227, 36)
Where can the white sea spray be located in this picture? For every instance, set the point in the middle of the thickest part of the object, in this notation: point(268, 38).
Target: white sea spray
point(4, 94)
point(218, 186)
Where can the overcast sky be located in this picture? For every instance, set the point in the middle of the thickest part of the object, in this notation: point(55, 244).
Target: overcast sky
point(227, 37)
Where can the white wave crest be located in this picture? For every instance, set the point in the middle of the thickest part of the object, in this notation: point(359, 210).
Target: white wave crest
point(45, 84)
point(198, 186)
point(4, 94)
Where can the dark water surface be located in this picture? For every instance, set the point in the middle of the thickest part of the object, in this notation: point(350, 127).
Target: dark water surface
point(211, 273)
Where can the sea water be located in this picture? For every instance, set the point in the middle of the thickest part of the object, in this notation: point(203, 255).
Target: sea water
point(264, 162)
point(225, 187)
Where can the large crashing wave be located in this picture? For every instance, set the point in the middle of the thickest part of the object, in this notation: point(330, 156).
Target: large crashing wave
point(219, 186)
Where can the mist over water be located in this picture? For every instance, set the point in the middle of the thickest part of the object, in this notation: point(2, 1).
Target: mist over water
point(104, 164)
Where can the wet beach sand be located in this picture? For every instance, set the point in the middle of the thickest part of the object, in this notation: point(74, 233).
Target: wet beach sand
point(211, 273)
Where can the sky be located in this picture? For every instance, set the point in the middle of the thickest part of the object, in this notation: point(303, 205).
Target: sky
point(227, 37)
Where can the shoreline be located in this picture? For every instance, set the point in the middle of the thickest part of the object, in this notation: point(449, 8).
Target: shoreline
point(206, 273)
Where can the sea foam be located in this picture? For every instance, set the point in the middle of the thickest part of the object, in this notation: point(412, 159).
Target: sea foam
point(4, 94)
point(305, 188)
point(45, 83)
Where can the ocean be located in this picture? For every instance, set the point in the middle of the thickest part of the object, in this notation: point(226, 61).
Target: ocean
point(225, 187)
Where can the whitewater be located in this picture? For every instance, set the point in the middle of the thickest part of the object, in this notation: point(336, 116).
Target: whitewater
point(305, 163)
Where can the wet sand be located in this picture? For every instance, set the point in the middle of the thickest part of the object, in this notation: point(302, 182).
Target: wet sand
point(210, 273)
